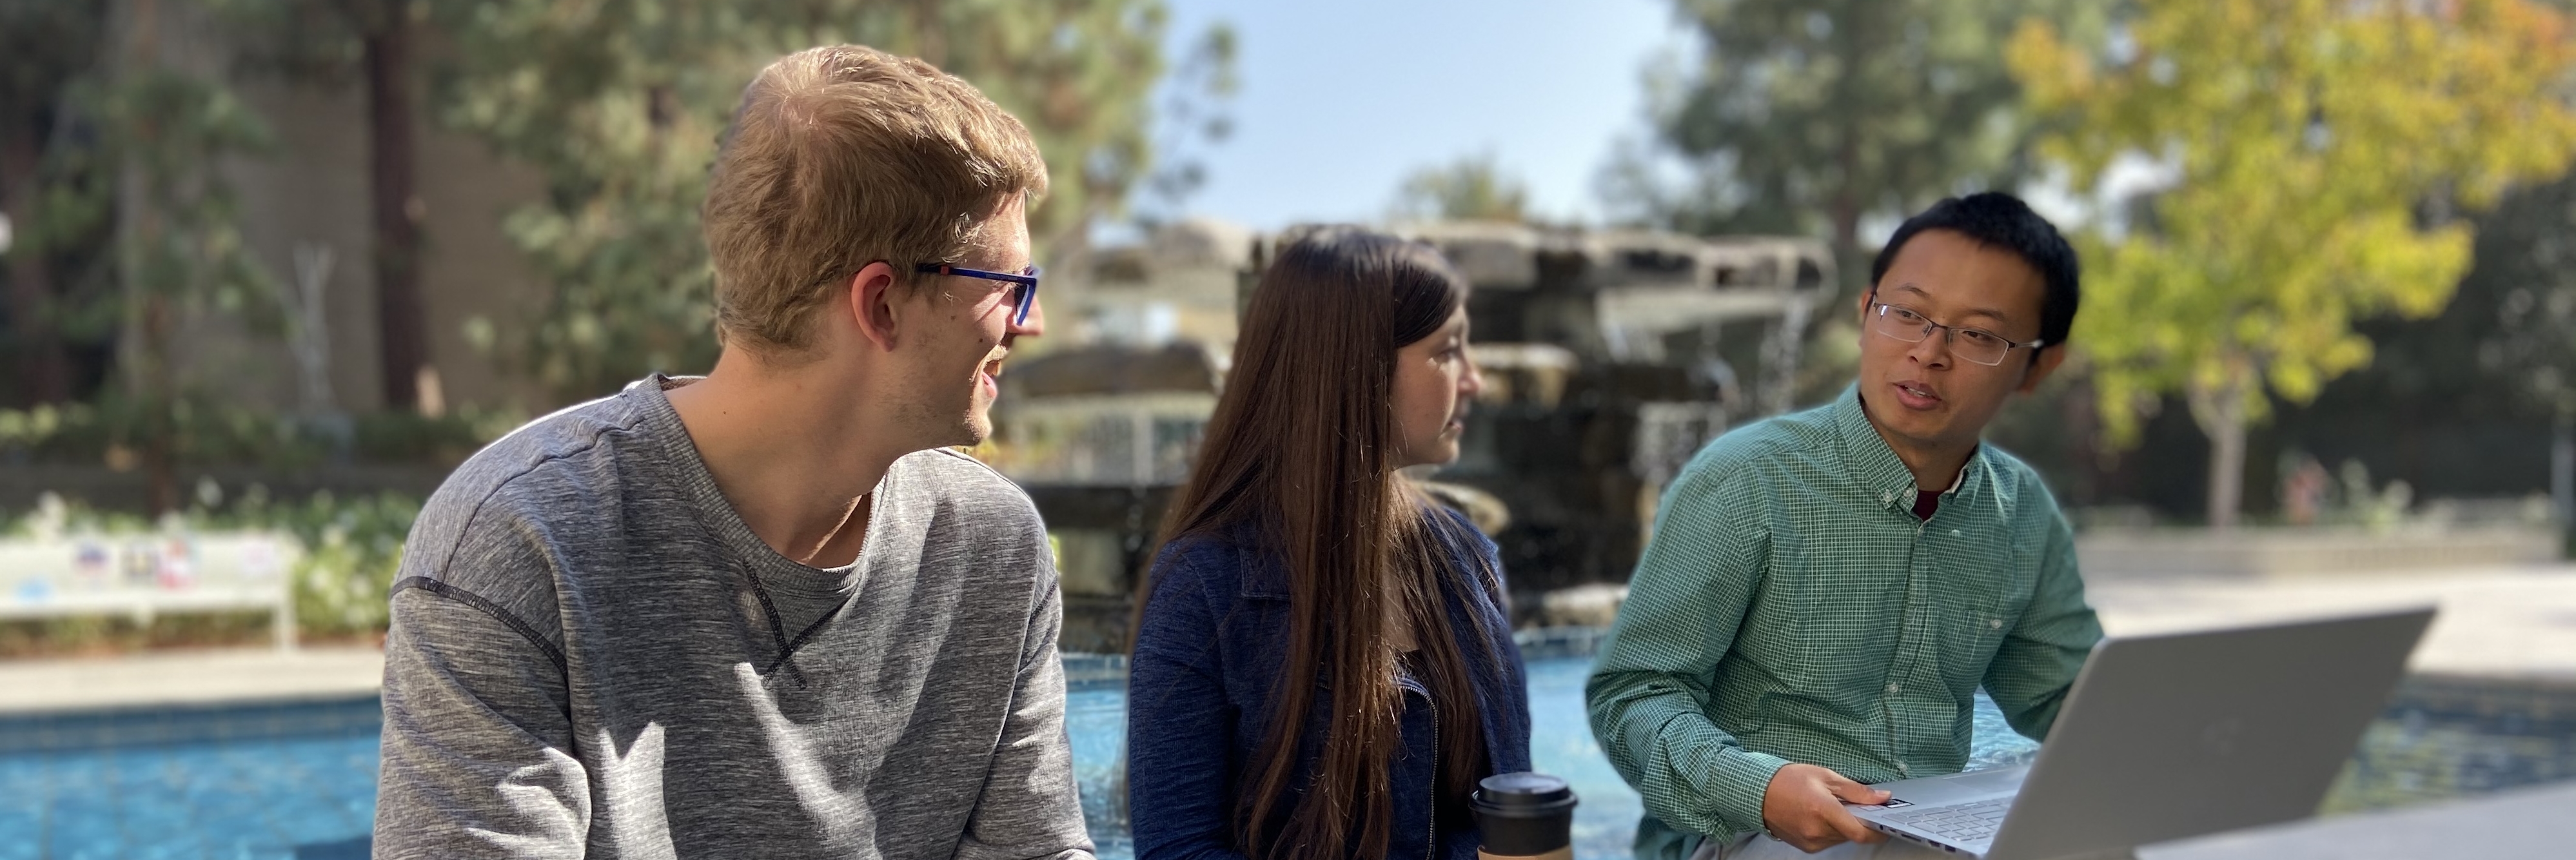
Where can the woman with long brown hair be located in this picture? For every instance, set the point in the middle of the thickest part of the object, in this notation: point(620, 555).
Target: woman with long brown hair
point(1323, 664)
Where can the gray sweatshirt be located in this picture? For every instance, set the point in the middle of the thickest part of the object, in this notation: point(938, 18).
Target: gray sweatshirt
point(591, 655)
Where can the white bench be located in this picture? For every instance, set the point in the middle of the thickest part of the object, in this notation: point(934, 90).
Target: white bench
point(142, 575)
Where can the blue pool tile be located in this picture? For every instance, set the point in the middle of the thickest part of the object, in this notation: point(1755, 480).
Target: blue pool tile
point(15, 770)
point(24, 792)
point(167, 849)
point(243, 847)
point(21, 832)
point(314, 820)
point(147, 809)
point(82, 827)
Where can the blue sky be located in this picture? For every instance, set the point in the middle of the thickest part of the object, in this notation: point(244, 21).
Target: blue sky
point(1340, 99)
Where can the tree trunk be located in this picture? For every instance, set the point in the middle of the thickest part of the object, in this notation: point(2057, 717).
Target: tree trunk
point(147, 352)
point(2227, 471)
point(2220, 412)
point(44, 366)
point(2562, 468)
point(1845, 212)
point(161, 401)
point(402, 334)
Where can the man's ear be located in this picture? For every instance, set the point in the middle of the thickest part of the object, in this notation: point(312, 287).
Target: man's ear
point(1860, 314)
point(872, 304)
point(2049, 358)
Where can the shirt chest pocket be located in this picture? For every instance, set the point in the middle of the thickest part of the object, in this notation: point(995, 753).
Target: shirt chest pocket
point(1975, 628)
point(1983, 607)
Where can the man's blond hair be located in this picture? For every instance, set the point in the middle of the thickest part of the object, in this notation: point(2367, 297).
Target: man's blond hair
point(844, 155)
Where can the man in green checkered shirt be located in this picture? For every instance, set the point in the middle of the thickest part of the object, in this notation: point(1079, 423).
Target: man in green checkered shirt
point(1826, 591)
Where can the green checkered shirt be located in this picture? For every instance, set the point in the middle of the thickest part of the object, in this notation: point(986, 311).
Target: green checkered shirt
point(1790, 608)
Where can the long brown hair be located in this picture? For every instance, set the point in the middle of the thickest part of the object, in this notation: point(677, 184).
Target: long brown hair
point(1301, 447)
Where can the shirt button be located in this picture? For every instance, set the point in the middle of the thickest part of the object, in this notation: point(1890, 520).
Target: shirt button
point(1995, 623)
point(1891, 689)
point(1901, 768)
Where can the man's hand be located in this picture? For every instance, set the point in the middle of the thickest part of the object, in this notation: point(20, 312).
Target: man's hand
point(1803, 806)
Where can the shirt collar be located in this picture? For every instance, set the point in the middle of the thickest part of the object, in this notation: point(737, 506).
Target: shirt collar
point(1866, 454)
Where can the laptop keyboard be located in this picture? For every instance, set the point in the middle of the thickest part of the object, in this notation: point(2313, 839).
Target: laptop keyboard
point(1966, 822)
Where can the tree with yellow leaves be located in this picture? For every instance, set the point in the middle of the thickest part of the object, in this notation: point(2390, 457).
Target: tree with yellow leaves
point(2317, 146)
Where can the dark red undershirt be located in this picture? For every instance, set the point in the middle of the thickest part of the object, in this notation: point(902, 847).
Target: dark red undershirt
point(1925, 502)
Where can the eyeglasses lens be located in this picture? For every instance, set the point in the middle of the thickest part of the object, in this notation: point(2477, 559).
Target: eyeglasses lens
point(1911, 327)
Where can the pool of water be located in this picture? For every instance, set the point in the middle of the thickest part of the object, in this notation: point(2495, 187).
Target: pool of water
point(1561, 743)
point(277, 781)
point(298, 780)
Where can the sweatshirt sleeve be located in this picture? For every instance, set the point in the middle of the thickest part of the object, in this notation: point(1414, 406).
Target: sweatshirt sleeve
point(478, 752)
point(1030, 807)
point(1649, 691)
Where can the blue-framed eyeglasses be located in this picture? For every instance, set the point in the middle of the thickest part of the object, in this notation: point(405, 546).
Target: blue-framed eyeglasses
point(1024, 285)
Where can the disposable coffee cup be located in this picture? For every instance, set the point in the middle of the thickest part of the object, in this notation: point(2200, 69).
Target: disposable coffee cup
point(1524, 816)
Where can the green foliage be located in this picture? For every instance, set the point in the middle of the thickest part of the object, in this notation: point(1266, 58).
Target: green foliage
point(1192, 114)
point(1471, 188)
point(58, 185)
point(618, 104)
point(203, 433)
point(2308, 138)
point(1808, 116)
point(72, 220)
point(48, 42)
point(309, 41)
point(2526, 278)
point(350, 548)
point(184, 253)
point(133, 162)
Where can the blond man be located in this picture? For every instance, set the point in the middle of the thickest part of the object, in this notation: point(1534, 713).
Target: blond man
point(766, 612)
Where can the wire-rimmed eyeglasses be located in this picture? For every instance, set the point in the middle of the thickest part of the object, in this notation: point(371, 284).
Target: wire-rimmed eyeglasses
point(1969, 344)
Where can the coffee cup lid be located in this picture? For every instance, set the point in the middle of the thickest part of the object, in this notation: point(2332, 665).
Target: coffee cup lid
point(1523, 790)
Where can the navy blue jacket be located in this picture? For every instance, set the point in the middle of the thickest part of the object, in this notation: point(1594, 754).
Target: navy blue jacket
point(1208, 653)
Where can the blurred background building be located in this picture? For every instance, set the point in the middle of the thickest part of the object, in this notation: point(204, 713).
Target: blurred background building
point(1610, 357)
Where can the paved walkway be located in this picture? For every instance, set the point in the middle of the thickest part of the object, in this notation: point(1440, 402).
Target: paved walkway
point(2511, 622)
point(2508, 826)
point(187, 678)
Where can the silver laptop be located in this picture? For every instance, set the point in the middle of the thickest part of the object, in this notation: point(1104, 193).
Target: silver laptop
point(2170, 736)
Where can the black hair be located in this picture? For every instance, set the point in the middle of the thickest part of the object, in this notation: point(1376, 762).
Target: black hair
point(1994, 219)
